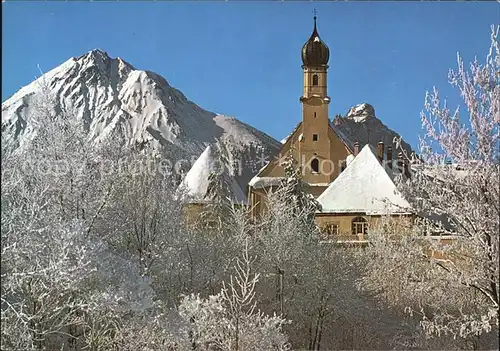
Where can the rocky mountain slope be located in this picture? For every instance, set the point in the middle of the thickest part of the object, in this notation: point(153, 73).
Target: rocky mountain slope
point(361, 125)
point(111, 97)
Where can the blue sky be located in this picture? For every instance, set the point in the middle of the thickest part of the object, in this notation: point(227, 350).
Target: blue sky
point(243, 58)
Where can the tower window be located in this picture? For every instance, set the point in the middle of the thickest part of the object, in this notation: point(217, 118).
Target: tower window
point(314, 114)
point(315, 80)
point(315, 165)
point(315, 137)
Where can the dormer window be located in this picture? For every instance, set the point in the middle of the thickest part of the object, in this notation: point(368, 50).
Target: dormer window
point(315, 80)
point(315, 137)
point(315, 165)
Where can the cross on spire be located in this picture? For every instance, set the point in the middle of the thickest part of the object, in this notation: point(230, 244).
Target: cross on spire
point(315, 17)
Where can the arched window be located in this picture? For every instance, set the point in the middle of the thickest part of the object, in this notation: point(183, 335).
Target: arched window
point(315, 80)
point(315, 165)
point(359, 225)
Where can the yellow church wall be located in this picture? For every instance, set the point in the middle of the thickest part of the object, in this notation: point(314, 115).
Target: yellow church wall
point(315, 125)
point(291, 146)
point(330, 167)
point(317, 190)
point(398, 223)
point(257, 201)
point(338, 153)
point(309, 87)
point(192, 212)
point(329, 162)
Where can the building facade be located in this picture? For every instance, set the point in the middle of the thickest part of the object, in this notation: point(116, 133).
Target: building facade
point(325, 149)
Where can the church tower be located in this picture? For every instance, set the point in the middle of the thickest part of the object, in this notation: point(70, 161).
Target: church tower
point(315, 143)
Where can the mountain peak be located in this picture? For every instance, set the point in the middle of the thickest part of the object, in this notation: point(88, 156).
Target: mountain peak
point(112, 98)
point(362, 125)
point(361, 112)
point(97, 52)
point(101, 59)
point(95, 55)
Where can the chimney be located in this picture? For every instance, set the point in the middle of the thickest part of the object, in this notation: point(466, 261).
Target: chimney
point(336, 121)
point(402, 165)
point(399, 162)
point(380, 150)
point(356, 148)
point(406, 167)
point(389, 156)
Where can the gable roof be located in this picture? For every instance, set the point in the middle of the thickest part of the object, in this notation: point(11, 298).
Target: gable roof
point(195, 184)
point(259, 181)
point(363, 187)
point(286, 141)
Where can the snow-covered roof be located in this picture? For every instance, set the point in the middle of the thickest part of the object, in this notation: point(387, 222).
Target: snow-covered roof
point(349, 159)
point(364, 187)
point(262, 182)
point(195, 184)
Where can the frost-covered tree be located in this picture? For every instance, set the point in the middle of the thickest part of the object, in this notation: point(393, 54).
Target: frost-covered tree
point(61, 287)
point(220, 194)
point(230, 319)
point(312, 283)
point(144, 215)
point(294, 190)
point(455, 186)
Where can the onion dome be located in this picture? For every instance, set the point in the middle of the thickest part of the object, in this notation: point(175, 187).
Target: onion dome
point(315, 52)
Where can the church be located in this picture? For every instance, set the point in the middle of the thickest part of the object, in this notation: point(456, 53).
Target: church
point(347, 163)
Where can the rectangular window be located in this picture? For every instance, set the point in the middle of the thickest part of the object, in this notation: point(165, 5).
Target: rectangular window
point(359, 228)
point(331, 229)
point(315, 137)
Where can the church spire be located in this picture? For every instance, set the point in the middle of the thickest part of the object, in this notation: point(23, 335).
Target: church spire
point(315, 52)
point(315, 18)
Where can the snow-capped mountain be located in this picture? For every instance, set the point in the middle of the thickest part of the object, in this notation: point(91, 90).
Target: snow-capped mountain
point(362, 125)
point(111, 97)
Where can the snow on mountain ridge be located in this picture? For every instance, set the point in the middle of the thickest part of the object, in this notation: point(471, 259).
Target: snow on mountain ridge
point(363, 126)
point(110, 96)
